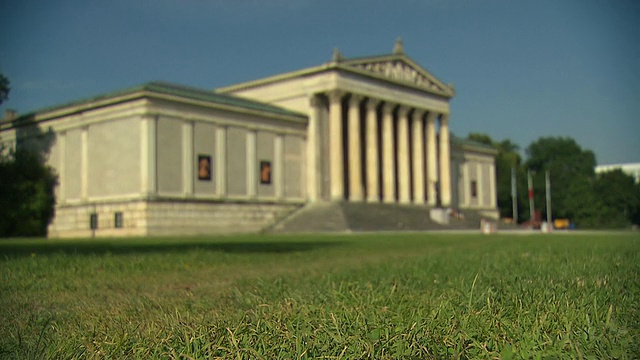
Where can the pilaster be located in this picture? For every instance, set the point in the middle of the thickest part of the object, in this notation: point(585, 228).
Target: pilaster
point(221, 161)
point(252, 178)
point(466, 184)
point(278, 166)
point(480, 184)
point(62, 164)
point(148, 155)
point(84, 163)
point(187, 158)
point(492, 186)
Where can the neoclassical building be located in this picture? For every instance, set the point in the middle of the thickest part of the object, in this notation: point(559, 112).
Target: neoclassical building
point(167, 159)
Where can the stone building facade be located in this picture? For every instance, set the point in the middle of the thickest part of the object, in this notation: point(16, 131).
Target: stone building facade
point(167, 159)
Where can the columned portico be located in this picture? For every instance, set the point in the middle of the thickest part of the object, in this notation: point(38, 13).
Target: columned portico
point(395, 158)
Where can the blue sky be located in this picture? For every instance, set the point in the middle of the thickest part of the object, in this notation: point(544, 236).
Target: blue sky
point(522, 69)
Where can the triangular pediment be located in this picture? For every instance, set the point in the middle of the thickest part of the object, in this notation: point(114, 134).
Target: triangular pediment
point(400, 69)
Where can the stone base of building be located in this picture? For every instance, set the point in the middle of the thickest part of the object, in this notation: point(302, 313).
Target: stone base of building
point(164, 217)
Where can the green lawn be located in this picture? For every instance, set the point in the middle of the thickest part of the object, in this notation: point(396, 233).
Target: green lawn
point(340, 296)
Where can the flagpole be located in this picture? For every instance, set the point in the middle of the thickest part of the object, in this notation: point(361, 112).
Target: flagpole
point(531, 207)
point(547, 181)
point(514, 195)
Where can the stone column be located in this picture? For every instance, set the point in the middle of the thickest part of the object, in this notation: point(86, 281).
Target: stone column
point(313, 173)
point(432, 169)
point(355, 163)
point(418, 157)
point(388, 161)
point(372, 151)
point(335, 145)
point(404, 195)
point(148, 155)
point(187, 158)
point(445, 166)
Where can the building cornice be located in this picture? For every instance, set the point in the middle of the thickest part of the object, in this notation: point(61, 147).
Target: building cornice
point(159, 91)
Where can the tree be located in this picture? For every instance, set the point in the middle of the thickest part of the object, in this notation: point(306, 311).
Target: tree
point(4, 88)
point(574, 194)
point(26, 183)
point(619, 198)
point(608, 200)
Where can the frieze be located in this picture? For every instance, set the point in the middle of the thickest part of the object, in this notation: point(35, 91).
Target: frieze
point(401, 72)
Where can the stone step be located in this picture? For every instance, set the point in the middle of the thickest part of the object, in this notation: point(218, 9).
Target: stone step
point(352, 216)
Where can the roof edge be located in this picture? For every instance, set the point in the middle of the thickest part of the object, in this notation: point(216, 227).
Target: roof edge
point(148, 90)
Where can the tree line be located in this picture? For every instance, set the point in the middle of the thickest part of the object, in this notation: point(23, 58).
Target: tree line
point(588, 200)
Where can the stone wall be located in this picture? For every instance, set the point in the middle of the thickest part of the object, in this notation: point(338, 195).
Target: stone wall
point(196, 218)
point(169, 217)
point(75, 220)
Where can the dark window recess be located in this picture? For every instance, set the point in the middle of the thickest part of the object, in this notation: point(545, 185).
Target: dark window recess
point(474, 188)
point(117, 220)
point(93, 221)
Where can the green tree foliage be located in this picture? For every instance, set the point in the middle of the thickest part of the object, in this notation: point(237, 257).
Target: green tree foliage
point(26, 194)
point(4, 88)
point(26, 183)
point(608, 200)
point(618, 198)
point(572, 175)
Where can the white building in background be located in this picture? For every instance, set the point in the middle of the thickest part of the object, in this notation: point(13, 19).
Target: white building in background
point(632, 169)
point(167, 159)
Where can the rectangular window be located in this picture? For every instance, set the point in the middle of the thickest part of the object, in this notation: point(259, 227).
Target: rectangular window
point(474, 188)
point(117, 220)
point(265, 172)
point(204, 167)
point(93, 221)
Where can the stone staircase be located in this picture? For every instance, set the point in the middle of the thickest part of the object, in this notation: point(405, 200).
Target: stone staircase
point(356, 217)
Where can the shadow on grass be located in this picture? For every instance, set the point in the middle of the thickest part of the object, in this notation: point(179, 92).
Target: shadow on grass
point(27, 248)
